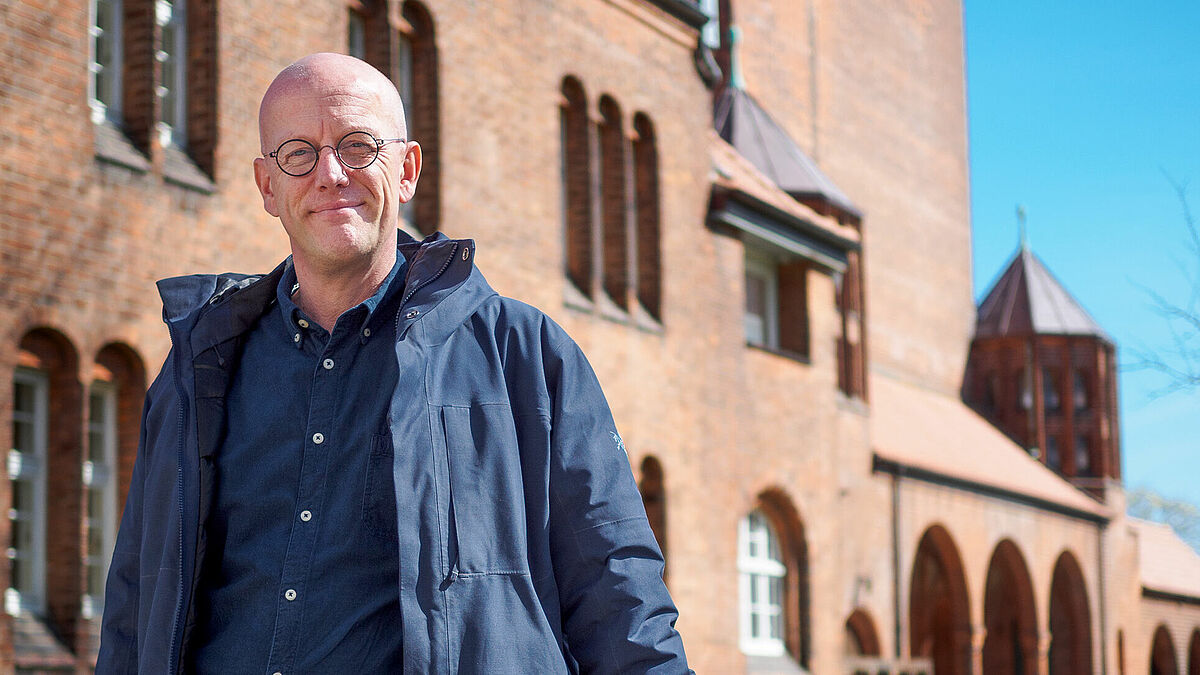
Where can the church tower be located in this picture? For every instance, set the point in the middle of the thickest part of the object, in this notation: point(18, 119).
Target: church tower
point(1044, 372)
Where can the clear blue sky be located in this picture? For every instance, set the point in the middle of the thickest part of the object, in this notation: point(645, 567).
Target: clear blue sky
point(1080, 111)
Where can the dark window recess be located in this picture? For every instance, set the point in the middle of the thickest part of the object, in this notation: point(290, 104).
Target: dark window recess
point(577, 193)
point(614, 241)
point(1050, 391)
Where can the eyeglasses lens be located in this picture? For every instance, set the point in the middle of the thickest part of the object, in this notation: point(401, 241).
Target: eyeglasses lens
point(356, 151)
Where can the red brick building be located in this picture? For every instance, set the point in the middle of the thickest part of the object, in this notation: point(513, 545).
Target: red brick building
point(760, 237)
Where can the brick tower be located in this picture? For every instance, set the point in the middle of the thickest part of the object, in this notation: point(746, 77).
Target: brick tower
point(1044, 372)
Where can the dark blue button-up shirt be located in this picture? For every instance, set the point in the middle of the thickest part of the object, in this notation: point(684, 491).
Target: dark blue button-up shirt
point(302, 573)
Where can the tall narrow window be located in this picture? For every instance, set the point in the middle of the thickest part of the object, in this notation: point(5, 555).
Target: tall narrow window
point(1083, 455)
point(416, 76)
point(27, 472)
point(171, 16)
point(762, 301)
point(1052, 399)
point(761, 575)
point(654, 499)
point(107, 59)
point(576, 182)
point(1053, 453)
point(1079, 395)
point(100, 486)
point(645, 185)
point(356, 41)
point(614, 242)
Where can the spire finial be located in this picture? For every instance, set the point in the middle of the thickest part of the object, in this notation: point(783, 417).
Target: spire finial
point(736, 80)
point(1021, 227)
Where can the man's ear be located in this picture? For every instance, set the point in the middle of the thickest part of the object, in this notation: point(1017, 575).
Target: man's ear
point(262, 176)
point(410, 171)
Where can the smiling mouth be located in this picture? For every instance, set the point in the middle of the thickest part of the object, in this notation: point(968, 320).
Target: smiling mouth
point(336, 207)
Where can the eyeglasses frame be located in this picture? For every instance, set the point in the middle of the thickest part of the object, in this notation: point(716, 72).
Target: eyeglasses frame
point(379, 143)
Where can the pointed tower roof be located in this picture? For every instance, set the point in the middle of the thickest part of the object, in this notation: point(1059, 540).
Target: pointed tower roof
point(745, 125)
point(1028, 300)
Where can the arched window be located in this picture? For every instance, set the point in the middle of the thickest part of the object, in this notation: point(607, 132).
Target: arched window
point(613, 206)
point(773, 581)
point(1194, 653)
point(114, 409)
point(761, 574)
point(576, 181)
point(645, 185)
point(45, 549)
point(654, 499)
point(861, 637)
point(417, 71)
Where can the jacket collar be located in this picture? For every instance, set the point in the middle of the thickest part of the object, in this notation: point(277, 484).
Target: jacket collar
point(212, 309)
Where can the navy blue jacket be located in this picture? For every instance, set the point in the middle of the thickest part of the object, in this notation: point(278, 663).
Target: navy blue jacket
point(523, 544)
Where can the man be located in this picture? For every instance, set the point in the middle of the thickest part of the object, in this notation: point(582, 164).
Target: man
point(367, 460)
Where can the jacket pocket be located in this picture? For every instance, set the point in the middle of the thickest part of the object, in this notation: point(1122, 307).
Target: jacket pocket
point(487, 528)
point(379, 492)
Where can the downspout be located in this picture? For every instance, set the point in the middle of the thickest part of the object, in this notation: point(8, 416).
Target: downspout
point(1103, 601)
point(896, 559)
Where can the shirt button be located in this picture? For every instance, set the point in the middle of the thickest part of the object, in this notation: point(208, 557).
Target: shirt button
point(296, 337)
point(290, 594)
point(306, 515)
point(366, 332)
point(328, 363)
point(318, 438)
point(303, 323)
point(277, 673)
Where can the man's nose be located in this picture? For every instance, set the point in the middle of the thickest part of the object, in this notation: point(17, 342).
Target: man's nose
point(329, 170)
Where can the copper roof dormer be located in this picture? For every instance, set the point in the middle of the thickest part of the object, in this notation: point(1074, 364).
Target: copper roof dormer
point(744, 124)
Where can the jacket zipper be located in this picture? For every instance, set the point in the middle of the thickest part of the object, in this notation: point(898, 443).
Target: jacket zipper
point(173, 654)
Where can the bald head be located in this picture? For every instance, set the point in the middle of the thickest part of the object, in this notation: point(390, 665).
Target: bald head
point(329, 75)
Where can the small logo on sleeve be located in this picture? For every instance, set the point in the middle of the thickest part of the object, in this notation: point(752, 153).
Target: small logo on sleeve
point(620, 443)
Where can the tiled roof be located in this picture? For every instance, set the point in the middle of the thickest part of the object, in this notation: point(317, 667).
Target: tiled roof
point(1168, 564)
point(1028, 300)
point(741, 121)
point(937, 433)
point(732, 171)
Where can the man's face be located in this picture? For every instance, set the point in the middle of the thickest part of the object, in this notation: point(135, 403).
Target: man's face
point(338, 219)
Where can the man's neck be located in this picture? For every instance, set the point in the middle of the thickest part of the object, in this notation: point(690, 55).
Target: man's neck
point(325, 296)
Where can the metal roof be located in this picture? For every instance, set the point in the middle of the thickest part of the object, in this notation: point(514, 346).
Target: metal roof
point(742, 122)
point(1028, 300)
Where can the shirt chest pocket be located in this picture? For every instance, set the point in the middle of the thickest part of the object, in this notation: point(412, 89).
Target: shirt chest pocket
point(482, 472)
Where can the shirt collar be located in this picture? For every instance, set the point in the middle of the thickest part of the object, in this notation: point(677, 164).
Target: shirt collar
point(299, 325)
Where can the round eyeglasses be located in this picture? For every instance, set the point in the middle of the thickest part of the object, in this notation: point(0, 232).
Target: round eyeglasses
point(356, 150)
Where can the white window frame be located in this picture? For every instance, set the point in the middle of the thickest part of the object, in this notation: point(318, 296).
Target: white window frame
point(760, 566)
point(30, 466)
point(102, 477)
point(710, 34)
point(765, 267)
point(171, 15)
point(106, 105)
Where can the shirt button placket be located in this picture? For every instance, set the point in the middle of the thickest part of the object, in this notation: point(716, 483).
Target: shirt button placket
point(306, 515)
point(318, 438)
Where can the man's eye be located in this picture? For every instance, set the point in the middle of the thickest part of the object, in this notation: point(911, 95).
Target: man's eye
point(298, 154)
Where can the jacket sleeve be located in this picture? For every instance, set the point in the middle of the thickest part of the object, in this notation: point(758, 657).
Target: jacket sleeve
point(616, 612)
point(119, 627)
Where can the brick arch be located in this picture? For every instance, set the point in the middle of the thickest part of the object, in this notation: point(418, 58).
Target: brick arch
point(861, 637)
point(1009, 614)
point(654, 498)
point(577, 188)
point(1162, 653)
point(939, 607)
point(51, 352)
point(781, 511)
point(1194, 653)
point(120, 364)
point(1070, 619)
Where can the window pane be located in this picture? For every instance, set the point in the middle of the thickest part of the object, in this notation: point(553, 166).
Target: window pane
point(355, 44)
point(1083, 455)
point(1081, 392)
point(1053, 456)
